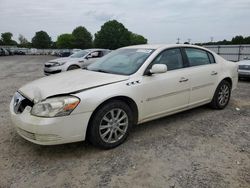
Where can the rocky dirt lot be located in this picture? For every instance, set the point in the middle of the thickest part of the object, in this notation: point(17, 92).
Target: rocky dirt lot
point(194, 149)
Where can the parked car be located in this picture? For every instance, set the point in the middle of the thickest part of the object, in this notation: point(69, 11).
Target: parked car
point(34, 51)
point(75, 50)
point(4, 52)
point(244, 68)
point(129, 86)
point(77, 60)
point(64, 54)
point(19, 52)
point(10, 52)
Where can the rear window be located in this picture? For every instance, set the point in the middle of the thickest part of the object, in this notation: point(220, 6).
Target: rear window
point(197, 57)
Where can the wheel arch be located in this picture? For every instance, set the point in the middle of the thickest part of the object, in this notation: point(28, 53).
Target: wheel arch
point(229, 80)
point(129, 101)
point(73, 65)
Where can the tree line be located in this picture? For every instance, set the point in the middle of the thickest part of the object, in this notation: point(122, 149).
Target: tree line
point(235, 40)
point(112, 35)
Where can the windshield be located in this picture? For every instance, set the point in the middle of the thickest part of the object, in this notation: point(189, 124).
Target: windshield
point(79, 54)
point(122, 61)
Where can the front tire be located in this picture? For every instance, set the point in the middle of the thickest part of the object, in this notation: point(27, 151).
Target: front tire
point(222, 95)
point(73, 67)
point(110, 125)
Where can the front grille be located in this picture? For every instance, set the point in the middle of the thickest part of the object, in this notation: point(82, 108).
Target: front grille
point(244, 67)
point(20, 103)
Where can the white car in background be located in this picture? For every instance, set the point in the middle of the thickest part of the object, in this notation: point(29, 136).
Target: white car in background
point(129, 86)
point(244, 68)
point(79, 59)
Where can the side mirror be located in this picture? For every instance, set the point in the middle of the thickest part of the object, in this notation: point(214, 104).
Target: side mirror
point(158, 68)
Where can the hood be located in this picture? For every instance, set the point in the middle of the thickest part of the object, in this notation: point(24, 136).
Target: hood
point(62, 59)
point(67, 82)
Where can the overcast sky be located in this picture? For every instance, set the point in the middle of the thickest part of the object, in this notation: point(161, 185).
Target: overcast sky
point(161, 21)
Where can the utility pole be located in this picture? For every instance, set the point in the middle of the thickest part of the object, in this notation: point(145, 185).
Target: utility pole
point(189, 41)
point(178, 40)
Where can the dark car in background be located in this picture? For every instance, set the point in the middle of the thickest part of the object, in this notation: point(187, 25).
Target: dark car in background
point(64, 54)
point(19, 52)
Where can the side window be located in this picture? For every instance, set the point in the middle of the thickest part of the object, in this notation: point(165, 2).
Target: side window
point(172, 58)
point(197, 57)
point(211, 57)
point(100, 53)
point(96, 54)
point(105, 52)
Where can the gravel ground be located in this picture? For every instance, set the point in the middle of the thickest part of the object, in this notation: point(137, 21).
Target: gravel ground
point(197, 148)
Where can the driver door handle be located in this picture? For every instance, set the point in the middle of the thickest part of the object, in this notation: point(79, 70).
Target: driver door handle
point(183, 79)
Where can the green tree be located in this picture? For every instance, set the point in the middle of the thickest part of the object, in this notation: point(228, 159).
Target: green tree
point(237, 40)
point(137, 39)
point(41, 40)
point(82, 38)
point(53, 45)
point(6, 39)
point(23, 42)
point(247, 40)
point(112, 35)
point(65, 41)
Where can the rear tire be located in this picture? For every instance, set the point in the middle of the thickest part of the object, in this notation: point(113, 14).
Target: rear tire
point(110, 125)
point(221, 96)
point(73, 67)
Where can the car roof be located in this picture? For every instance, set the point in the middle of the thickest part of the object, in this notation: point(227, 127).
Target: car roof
point(159, 46)
point(95, 49)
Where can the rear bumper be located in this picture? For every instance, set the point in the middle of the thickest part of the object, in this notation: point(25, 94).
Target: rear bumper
point(50, 131)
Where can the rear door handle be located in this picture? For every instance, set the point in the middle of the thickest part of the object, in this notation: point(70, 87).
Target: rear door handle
point(214, 73)
point(183, 79)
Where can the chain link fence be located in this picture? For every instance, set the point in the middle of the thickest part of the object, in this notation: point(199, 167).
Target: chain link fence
point(231, 52)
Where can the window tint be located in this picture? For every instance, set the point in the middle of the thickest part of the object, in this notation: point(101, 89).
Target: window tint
point(197, 57)
point(211, 58)
point(172, 58)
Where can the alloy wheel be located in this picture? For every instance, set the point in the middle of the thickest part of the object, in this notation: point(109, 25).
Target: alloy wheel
point(113, 125)
point(223, 95)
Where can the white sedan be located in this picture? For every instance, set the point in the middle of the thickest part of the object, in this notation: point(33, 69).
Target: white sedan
point(244, 68)
point(79, 59)
point(129, 86)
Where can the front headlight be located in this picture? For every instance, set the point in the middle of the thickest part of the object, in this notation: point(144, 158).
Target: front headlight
point(58, 64)
point(54, 107)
